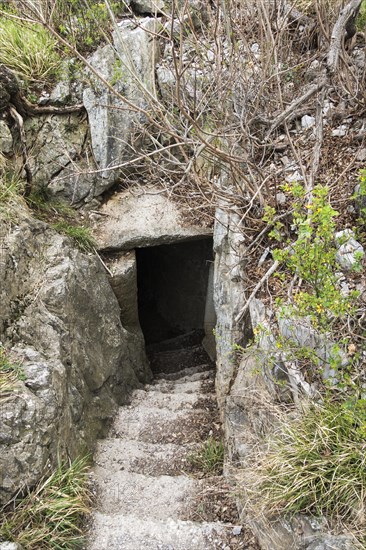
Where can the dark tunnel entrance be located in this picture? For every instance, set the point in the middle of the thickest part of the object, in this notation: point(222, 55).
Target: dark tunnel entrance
point(173, 282)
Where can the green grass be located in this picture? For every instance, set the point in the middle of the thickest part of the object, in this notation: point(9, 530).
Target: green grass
point(209, 459)
point(79, 234)
point(10, 373)
point(51, 516)
point(29, 51)
point(62, 217)
point(10, 188)
point(317, 465)
point(49, 209)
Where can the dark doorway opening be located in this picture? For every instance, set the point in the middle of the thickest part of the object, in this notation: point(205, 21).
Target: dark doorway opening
point(172, 285)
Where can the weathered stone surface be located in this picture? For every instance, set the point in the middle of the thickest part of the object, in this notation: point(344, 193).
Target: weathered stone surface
point(210, 318)
point(138, 218)
point(10, 546)
point(303, 334)
point(124, 284)
point(301, 532)
point(251, 414)
point(6, 139)
point(147, 7)
point(349, 250)
point(359, 201)
point(129, 66)
point(229, 296)
point(307, 122)
point(55, 147)
point(331, 543)
point(62, 321)
point(69, 89)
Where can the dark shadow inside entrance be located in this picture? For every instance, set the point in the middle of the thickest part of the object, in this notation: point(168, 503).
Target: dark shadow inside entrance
point(172, 292)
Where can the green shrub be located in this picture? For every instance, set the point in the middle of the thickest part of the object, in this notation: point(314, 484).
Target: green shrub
point(51, 516)
point(83, 23)
point(28, 50)
point(312, 256)
point(316, 464)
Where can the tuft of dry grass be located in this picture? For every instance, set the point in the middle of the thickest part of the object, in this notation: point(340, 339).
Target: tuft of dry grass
point(28, 50)
point(315, 464)
point(51, 516)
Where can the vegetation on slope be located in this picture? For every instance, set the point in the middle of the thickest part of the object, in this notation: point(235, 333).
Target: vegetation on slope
point(316, 465)
point(51, 516)
point(29, 50)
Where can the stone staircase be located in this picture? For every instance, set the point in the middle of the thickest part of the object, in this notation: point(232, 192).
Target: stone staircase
point(144, 498)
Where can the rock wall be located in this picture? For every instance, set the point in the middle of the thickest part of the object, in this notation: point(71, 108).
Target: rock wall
point(229, 297)
point(250, 387)
point(61, 320)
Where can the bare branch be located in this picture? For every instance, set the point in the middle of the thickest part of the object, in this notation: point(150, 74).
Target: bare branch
point(344, 28)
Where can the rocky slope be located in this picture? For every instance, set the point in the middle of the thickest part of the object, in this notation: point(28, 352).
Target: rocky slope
point(61, 319)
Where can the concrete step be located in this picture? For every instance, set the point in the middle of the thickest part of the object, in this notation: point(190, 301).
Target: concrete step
point(193, 338)
point(173, 361)
point(199, 382)
point(143, 458)
point(159, 425)
point(162, 400)
point(158, 497)
point(185, 372)
point(128, 532)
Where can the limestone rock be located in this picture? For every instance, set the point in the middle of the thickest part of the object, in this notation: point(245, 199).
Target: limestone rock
point(349, 250)
point(138, 218)
point(61, 320)
point(251, 414)
point(280, 533)
point(341, 131)
point(10, 546)
point(330, 542)
point(6, 139)
point(129, 66)
point(69, 88)
point(55, 145)
point(229, 295)
point(360, 199)
point(301, 331)
point(124, 284)
point(147, 7)
point(307, 122)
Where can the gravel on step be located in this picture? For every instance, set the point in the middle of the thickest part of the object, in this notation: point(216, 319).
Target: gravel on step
point(143, 499)
point(143, 458)
point(156, 497)
point(121, 532)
